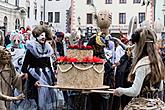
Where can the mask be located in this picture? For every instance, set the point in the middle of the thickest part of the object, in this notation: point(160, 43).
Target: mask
point(16, 40)
point(42, 38)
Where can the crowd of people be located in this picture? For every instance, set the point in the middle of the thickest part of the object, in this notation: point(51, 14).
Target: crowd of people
point(133, 67)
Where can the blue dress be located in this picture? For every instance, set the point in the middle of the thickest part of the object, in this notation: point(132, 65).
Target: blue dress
point(38, 66)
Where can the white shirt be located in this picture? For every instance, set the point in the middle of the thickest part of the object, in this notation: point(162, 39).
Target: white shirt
point(119, 53)
point(141, 70)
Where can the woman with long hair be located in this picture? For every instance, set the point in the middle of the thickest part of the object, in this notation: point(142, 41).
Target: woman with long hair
point(147, 69)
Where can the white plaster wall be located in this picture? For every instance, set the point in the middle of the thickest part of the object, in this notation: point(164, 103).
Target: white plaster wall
point(7, 9)
point(31, 20)
point(58, 6)
point(129, 8)
point(158, 11)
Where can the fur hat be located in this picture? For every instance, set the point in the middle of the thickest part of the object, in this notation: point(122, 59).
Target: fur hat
point(39, 29)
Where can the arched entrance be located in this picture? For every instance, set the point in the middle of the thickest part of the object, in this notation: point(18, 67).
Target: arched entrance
point(17, 23)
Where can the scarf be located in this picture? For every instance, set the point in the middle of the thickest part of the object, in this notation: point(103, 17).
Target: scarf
point(39, 50)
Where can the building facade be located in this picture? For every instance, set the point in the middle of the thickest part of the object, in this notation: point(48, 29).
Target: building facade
point(160, 11)
point(12, 14)
point(20, 13)
point(35, 12)
point(57, 13)
point(83, 13)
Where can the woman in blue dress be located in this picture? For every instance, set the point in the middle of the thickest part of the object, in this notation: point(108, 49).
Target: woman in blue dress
point(37, 67)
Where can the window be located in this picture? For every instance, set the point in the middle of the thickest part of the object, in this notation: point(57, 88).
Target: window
point(108, 1)
point(89, 18)
point(122, 1)
point(57, 17)
point(5, 21)
point(89, 1)
point(164, 20)
point(35, 14)
point(136, 1)
point(141, 17)
point(50, 16)
point(122, 18)
point(41, 15)
point(6, 1)
point(17, 23)
point(28, 12)
point(16, 2)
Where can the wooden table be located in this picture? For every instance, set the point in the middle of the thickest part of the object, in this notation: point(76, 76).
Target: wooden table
point(103, 89)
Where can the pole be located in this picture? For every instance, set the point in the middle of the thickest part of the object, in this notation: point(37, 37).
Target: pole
point(146, 12)
point(153, 12)
point(44, 9)
point(154, 8)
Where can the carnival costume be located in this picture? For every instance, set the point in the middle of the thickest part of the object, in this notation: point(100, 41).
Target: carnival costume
point(9, 79)
point(17, 50)
point(38, 67)
point(148, 98)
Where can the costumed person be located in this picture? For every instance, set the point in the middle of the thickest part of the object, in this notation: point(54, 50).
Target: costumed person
point(37, 67)
point(59, 43)
point(119, 50)
point(7, 39)
point(146, 73)
point(16, 40)
point(17, 50)
point(99, 42)
point(26, 36)
point(9, 79)
point(21, 29)
point(121, 76)
point(66, 42)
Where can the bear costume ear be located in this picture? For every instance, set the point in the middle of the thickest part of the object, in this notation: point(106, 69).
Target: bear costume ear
point(132, 26)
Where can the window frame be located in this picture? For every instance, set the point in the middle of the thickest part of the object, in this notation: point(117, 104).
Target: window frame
point(89, 2)
point(108, 1)
point(122, 19)
point(55, 19)
point(41, 15)
point(17, 3)
point(28, 11)
point(136, 1)
point(35, 13)
point(89, 16)
point(122, 1)
point(50, 16)
point(140, 15)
